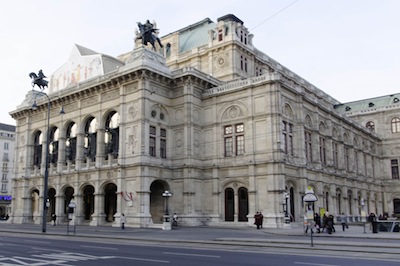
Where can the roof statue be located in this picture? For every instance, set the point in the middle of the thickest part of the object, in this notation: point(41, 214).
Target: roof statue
point(148, 34)
point(38, 80)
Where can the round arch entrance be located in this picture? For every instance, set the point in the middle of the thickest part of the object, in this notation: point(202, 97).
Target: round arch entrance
point(52, 201)
point(34, 203)
point(68, 196)
point(157, 188)
point(110, 201)
point(88, 202)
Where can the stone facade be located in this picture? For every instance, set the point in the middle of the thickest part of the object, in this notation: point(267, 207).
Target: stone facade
point(7, 139)
point(222, 126)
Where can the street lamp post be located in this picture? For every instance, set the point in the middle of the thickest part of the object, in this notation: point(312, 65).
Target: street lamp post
point(363, 215)
point(166, 223)
point(310, 198)
point(41, 83)
point(46, 167)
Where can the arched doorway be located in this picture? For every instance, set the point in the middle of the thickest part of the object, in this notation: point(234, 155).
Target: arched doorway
point(68, 195)
point(110, 201)
point(157, 188)
point(34, 203)
point(52, 201)
point(291, 203)
point(243, 204)
point(88, 202)
point(396, 207)
point(229, 205)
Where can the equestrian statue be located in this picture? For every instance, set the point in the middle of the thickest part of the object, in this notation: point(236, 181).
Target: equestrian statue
point(147, 33)
point(38, 80)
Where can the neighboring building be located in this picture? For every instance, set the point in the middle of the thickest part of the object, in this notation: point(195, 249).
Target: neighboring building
point(227, 129)
point(7, 139)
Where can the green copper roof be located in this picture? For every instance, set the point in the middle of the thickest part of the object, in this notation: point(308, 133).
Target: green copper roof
point(195, 35)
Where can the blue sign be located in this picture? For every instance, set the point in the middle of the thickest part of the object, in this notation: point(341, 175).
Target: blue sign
point(5, 197)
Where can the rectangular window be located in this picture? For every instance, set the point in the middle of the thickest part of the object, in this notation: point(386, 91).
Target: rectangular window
point(395, 168)
point(308, 144)
point(287, 135)
point(152, 141)
point(365, 165)
point(322, 150)
point(152, 150)
point(240, 145)
point(356, 162)
point(335, 154)
point(346, 159)
point(6, 145)
point(228, 147)
point(152, 130)
point(373, 166)
point(163, 143)
point(234, 140)
point(4, 177)
point(3, 188)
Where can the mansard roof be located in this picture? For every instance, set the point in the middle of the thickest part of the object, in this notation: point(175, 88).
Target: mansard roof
point(195, 35)
point(370, 104)
point(6, 127)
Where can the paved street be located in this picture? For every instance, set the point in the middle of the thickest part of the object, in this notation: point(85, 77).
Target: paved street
point(352, 243)
point(36, 250)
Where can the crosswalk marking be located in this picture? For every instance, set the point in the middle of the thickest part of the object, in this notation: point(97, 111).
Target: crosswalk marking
point(61, 259)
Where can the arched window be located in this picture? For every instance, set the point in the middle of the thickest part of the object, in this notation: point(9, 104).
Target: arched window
point(53, 145)
point(90, 139)
point(38, 147)
point(395, 125)
point(70, 144)
point(111, 138)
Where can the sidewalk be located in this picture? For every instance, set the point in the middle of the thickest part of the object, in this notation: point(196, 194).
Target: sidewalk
point(198, 233)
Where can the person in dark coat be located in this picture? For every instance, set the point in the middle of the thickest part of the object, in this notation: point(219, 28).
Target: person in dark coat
point(257, 220)
point(317, 220)
point(54, 218)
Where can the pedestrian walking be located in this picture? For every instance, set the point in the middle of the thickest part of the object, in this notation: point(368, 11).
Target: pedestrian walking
point(261, 220)
point(175, 219)
point(54, 219)
point(317, 220)
point(343, 220)
point(257, 219)
point(123, 221)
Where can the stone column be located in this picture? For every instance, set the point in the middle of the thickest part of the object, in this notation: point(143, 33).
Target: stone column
point(79, 150)
point(98, 217)
point(100, 147)
point(79, 215)
point(61, 154)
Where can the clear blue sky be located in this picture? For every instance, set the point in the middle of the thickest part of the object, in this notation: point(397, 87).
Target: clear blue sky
point(347, 48)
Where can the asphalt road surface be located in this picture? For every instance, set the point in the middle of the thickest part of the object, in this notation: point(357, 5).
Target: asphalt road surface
point(40, 250)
